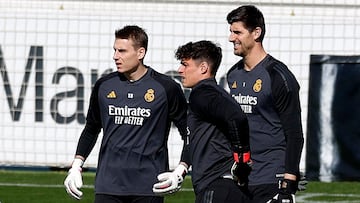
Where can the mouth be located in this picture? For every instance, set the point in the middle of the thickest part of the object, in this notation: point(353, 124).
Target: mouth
point(118, 65)
point(236, 45)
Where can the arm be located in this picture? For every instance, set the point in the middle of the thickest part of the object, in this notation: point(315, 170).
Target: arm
point(170, 182)
point(285, 90)
point(92, 127)
point(286, 95)
point(217, 107)
point(178, 115)
point(87, 140)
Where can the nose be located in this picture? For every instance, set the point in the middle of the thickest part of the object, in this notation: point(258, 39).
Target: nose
point(231, 37)
point(115, 56)
point(181, 69)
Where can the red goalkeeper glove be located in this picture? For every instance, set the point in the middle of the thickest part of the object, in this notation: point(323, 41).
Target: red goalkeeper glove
point(241, 167)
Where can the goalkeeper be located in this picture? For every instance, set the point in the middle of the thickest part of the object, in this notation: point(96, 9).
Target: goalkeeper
point(217, 129)
point(134, 107)
point(269, 95)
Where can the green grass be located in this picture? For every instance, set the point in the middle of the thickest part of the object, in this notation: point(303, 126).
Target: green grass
point(46, 187)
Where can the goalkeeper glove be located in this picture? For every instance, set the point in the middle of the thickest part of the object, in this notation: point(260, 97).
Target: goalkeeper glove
point(286, 192)
point(170, 182)
point(302, 182)
point(73, 181)
point(241, 168)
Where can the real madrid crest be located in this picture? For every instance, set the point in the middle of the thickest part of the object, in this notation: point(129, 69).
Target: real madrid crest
point(257, 85)
point(149, 95)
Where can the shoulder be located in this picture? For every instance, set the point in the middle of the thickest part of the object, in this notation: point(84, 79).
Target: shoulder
point(166, 81)
point(276, 67)
point(238, 66)
point(205, 88)
point(205, 91)
point(280, 74)
point(106, 77)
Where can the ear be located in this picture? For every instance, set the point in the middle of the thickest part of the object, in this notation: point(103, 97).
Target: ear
point(257, 32)
point(204, 67)
point(141, 53)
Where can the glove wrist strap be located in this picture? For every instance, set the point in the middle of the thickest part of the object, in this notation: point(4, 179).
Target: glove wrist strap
point(241, 157)
point(289, 186)
point(181, 170)
point(77, 163)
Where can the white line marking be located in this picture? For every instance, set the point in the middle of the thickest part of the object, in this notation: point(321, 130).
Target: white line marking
point(304, 197)
point(38, 185)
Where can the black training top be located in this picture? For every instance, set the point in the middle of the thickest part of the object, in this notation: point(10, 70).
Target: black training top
point(215, 122)
point(269, 95)
point(135, 118)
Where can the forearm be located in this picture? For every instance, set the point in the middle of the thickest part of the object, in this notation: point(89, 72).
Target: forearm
point(87, 141)
point(185, 154)
point(294, 141)
point(293, 155)
point(290, 176)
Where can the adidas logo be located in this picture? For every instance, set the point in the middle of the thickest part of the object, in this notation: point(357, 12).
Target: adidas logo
point(111, 95)
point(234, 85)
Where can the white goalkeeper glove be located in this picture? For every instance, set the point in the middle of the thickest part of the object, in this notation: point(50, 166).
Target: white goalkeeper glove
point(73, 181)
point(286, 192)
point(170, 182)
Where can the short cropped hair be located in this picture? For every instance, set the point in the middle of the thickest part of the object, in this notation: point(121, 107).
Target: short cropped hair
point(135, 33)
point(250, 16)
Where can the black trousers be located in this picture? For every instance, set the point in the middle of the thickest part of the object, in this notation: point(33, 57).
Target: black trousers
point(103, 198)
point(223, 191)
point(263, 193)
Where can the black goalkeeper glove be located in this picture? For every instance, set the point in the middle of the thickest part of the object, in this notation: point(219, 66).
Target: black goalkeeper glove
point(242, 166)
point(286, 192)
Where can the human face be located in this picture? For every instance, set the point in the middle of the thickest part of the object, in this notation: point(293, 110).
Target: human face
point(190, 72)
point(242, 39)
point(126, 57)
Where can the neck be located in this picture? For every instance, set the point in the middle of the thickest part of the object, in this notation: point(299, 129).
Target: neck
point(252, 59)
point(137, 74)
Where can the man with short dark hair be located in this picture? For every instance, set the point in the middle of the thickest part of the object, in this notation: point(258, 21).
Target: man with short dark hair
point(269, 95)
point(217, 129)
point(134, 107)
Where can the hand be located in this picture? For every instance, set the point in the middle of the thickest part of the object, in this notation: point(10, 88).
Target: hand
point(282, 197)
point(241, 168)
point(73, 181)
point(170, 182)
point(286, 192)
point(302, 182)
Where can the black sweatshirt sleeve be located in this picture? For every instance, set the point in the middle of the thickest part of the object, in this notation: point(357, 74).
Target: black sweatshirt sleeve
point(92, 127)
point(177, 110)
point(178, 114)
point(218, 108)
point(285, 90)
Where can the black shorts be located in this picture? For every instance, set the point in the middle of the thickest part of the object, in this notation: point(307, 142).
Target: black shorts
point(103, 198)
point(263, 193)
point(222, 190)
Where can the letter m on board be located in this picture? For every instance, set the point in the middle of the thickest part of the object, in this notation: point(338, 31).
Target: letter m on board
point(35, 56)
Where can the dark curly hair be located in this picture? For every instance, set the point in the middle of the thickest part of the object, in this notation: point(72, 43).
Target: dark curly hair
point(203, 51)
